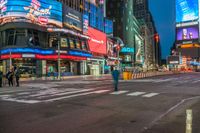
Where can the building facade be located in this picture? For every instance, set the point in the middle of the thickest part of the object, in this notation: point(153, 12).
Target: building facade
point(187, 45)
point(127, 28)
point(142, 12)
point(39, 34)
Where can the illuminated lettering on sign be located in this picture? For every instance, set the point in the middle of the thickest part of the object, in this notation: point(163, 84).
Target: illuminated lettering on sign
point(79, 53)
point(127, 50)
point(28, 55)
point(26, 50)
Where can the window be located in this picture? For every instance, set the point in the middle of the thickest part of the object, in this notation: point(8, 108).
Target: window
point(78, 45)
point(71, 43)
point(84, 45)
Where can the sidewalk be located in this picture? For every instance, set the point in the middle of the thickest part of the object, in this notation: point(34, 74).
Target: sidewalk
point(177, 123)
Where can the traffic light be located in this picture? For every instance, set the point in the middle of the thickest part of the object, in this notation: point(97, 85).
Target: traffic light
point(118, 47)
point(156, 38)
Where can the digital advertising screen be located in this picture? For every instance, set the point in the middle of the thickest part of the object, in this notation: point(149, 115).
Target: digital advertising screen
point(187, 33)
point(97, 41)
point(186, 10)
point(93, 14)
point(111, 52)
point(40, 12)
point(72, 18)
point(85, 23)
point(108, 26)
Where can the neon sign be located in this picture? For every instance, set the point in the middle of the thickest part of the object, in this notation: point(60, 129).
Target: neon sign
point(13, 56)
point(26, 50)
point(127, 50)
point(79, 53)
point(61, 56)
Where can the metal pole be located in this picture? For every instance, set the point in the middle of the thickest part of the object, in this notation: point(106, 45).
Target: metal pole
point(118, 66)
point(59, 58)
point(10, 60)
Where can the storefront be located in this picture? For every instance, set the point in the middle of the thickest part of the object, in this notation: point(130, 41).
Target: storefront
point(44, 62)
point(97, 45)
point(95, 66)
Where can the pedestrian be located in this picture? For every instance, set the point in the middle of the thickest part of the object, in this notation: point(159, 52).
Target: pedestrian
point(9, 76)
point(1, 78)
point(17, 75)
point(115, 75)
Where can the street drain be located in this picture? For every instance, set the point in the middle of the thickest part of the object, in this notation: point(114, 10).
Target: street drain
point(132, 121)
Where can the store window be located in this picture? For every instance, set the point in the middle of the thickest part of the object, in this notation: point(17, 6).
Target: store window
point(53, 42)
point(83, 45)
point(78, 45)
point(64, 43)
point(27, 67)
point(71, 43)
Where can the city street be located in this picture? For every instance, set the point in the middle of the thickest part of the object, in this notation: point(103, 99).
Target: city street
point(151, 105)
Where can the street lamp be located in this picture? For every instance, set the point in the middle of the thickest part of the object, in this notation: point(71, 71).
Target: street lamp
point(59, 56)
point(10, 59)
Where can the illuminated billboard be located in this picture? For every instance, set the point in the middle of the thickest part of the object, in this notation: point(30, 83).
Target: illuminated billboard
point(108, 26)
point(40, 12)
point(72, 18)
point(97, 41)
point(85, 23)
point(187, 33)
point(186, 10)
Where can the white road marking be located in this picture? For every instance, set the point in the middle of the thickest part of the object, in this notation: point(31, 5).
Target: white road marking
point(101, 91)
point(23, 93)
point(21, 100)
point(50, 92)
point(150, 95)
point(136, 93)
point(118, 92)
point(75, 95)
point(196, 81)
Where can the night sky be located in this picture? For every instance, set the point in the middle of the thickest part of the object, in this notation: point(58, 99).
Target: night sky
point(164, 16)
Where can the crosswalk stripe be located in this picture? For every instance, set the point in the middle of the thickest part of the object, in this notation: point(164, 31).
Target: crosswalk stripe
point(44, 94)
point(150, 95)
point(118, 92)
point(101, 91)
point(136, 93)
point(75, 95)
point(196, 81)
point(21, 100)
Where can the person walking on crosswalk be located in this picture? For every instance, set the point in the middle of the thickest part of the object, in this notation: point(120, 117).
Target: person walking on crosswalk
point(115, 75)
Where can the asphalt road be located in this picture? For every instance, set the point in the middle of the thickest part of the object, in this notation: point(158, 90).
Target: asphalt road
point(151, 105)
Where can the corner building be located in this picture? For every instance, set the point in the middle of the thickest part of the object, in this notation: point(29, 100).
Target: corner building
point(31, 33)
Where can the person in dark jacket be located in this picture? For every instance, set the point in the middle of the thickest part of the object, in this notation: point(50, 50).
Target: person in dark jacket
point(115, 75)
point(9, 76)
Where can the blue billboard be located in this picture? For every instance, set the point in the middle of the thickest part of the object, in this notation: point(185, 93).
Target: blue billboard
point(186, 10)
point(108, 26)
point(40, 12)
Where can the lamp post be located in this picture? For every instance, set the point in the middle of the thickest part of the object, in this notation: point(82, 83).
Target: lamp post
point(10, 59)
point(59, 57)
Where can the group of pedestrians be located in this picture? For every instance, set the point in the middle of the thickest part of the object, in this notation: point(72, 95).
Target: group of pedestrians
point(12, 74)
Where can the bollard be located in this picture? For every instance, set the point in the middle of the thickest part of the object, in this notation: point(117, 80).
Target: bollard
point(189, 121)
